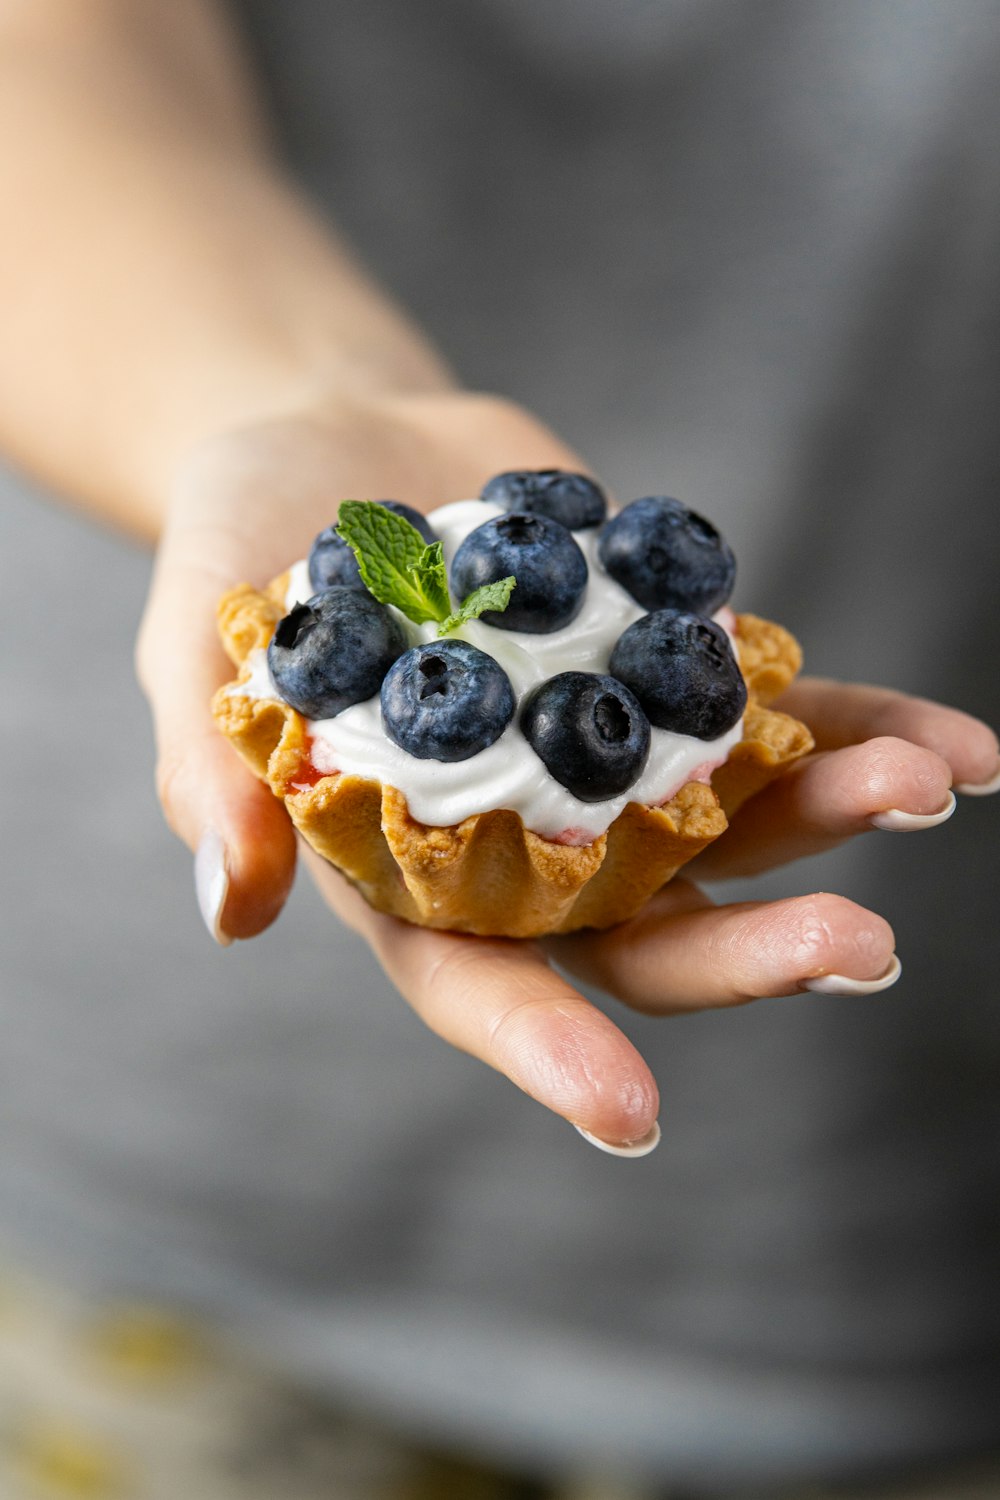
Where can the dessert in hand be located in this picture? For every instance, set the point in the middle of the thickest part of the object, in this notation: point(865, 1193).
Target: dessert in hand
point(513, 716)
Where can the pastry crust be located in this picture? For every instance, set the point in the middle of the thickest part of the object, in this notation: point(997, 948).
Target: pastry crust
point(489, 874)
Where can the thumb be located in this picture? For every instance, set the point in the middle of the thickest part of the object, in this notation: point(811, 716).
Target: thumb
point(241, 836)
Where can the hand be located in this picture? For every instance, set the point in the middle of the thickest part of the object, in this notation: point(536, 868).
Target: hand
point(250, 502)
point(502, 1001)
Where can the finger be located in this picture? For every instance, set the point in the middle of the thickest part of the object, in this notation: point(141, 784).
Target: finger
point(244, 842)
point(681, 953)
point(847, 713)
point(824, 799)
point(499, 1000)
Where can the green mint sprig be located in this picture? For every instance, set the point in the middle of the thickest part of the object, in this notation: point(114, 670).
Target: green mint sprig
point(398, 567)
point(494, 596)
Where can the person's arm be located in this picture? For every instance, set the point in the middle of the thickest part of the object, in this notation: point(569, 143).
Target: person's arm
point(161, 279)
point(188, 351)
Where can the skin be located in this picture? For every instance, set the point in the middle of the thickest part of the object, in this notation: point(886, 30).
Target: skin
point(218, 403)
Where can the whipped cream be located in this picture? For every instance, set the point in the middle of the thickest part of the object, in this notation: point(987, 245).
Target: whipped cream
point(508, 774)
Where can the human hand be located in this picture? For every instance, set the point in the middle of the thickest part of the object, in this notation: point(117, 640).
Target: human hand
point(253, 500)
point(882, 760)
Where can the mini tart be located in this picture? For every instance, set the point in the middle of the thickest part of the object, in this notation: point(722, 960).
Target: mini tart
point(489, 874)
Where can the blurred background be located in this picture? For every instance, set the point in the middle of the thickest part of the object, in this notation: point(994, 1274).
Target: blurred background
point(744, 255)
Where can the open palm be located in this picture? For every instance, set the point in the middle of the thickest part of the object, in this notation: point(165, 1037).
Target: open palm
point(249, 503)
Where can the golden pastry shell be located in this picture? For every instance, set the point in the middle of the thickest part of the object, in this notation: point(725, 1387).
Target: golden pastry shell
point(489, 874)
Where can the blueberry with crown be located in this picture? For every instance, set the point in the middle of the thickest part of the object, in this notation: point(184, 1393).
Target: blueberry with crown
point(573, 500)
point(682, 669)
point(668, 557)
point(333, 651)
point(589, 731)
point(446, 700)
point(550, 570)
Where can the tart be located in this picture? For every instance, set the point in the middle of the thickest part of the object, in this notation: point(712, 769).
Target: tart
point(577, 795)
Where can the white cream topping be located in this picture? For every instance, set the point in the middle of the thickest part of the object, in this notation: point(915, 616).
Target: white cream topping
point(508, 773)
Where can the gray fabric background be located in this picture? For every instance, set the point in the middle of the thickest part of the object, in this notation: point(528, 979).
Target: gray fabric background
point(747, 255)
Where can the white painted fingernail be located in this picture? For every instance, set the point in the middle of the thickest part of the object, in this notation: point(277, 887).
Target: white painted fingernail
point(839, 984)
point(894, 820)
point(643, 1147)
point(979, 789)
point(211, 883)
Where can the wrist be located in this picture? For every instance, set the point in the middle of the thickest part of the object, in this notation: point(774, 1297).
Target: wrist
point(340, 355)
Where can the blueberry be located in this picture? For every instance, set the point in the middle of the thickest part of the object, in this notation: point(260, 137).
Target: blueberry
point(667, 557)
point(550, 569)
point(331, 560)
point(682, 669)
point(573, 500)
point(333, 651)
point(590, 731)
point(446, 700)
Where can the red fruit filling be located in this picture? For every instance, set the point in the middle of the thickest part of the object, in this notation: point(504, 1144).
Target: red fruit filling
point(306, 775)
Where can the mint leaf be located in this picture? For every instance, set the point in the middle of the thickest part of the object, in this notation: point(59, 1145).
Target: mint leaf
point(432, 580)
point(489, 596)
point(396, 565)
point(398, 568)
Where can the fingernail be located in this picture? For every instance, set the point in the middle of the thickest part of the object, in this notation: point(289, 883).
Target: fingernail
point(211, 883)
point(643, 1147)
point(894, 820)
point(839, 984)
point(979, 789)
